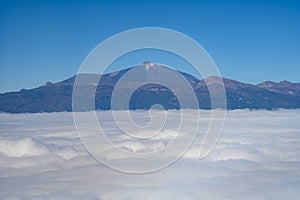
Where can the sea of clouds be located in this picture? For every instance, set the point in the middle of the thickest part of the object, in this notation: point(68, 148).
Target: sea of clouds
point(256, 157)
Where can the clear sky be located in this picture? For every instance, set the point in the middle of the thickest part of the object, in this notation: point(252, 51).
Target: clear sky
point(250, 41)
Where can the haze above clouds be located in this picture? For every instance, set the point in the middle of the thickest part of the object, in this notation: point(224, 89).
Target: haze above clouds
point(257, 157)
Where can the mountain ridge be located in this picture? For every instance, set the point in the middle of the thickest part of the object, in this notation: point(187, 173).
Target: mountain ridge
point(57, 97)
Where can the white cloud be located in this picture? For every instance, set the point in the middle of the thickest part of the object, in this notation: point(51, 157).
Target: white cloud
point(24, 147)
point(257, 157)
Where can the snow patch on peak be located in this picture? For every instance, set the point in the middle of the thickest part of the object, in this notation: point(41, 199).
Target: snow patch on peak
point(148, 65)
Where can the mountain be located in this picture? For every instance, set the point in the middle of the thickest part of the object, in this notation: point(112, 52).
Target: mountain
point(283, 87)
point(241, 95)
point(57, 97)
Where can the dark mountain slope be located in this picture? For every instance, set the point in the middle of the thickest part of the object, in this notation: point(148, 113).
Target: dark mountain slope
point(57, 97)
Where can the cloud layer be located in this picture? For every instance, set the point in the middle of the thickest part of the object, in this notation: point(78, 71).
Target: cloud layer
point(257, 157)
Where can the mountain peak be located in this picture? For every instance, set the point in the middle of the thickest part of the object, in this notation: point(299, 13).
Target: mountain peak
point(285, 82)
point(148, 64)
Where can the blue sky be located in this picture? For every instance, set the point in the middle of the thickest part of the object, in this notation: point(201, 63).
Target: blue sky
point(250, 41)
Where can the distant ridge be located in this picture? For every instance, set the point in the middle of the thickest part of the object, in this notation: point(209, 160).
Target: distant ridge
point(57, 97)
